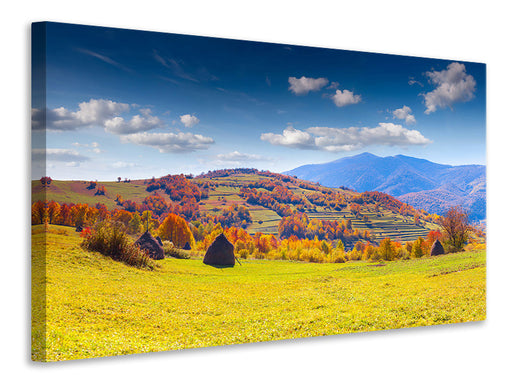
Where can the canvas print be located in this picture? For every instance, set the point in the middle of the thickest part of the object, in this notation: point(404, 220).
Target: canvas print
point(193, 192)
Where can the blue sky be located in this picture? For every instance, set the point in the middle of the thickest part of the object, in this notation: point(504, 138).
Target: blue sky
point(140, 104)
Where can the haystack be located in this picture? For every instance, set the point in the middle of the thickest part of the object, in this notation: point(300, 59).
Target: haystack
point(159, 240)
point(187, 246)
point(220, 252)
point(149, 244)
point(437, 249)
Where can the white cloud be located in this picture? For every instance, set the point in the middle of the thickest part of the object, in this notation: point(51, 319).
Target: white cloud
point(137, 123)
point(453, 85)
point(238, 156)
point(160, 59)
point(290, 137)
point(57, 154)
point(38, 119)
point(236, 159)
point(189, 120)
point(346, 139)
point(306, 84)
point(405, 113)
point(174, 66)
point(96, 112)
point(93, 147)
point(145, 111)
point(345, 97)
point(96, 147)
point(123, 164)
point(412, 81)
point(90, 113)
point(105, 59)
point(180, 72)
point(170, 142)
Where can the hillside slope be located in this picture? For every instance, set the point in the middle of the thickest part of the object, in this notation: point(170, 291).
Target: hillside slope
point(418, 182)
point(380, 215)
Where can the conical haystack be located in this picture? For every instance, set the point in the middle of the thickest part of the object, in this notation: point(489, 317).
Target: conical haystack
point(149, 244)
point(220, 252)
point(437, 249)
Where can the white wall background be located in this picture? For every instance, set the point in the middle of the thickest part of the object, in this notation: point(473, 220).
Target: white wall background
point(462, 30)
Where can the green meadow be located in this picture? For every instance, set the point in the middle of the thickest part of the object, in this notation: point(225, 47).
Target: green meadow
point(95, 306)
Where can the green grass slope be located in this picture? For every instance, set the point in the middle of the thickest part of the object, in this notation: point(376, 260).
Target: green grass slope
point(98, 307)
point(75, 191)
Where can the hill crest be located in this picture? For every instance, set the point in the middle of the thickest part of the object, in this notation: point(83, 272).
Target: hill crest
point(255, 200)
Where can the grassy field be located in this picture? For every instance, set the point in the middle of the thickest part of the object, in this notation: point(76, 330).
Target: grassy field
point(67, 191)
point(97, 307)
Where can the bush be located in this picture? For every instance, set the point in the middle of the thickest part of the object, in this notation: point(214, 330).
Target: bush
point(354, 255)
point(475, 247)
point(171, 251)
point(110, 239)
point(244, 253)
point(338, 256)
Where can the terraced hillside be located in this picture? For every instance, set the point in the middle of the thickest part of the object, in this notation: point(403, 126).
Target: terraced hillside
point(227, 191)
point(265, 220)
point(381, 222)
point(382, 225)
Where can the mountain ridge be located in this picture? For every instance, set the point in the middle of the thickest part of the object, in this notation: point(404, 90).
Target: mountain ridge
point(418, 182)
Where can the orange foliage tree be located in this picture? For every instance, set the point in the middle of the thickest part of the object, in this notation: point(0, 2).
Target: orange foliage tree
point(295, 224)
point(53, 211)
point(101, 190)
point(175, 229)
point(38, 212)
point(122, 216)
point(82, 214)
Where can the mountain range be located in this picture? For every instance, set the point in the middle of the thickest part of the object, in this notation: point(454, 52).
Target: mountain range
point(418, 182)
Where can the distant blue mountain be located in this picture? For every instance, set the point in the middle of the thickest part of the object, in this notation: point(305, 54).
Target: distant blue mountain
point(418, 182)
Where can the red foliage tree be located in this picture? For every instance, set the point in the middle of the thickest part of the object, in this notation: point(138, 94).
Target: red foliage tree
point(45, 181)
point(456, 227)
